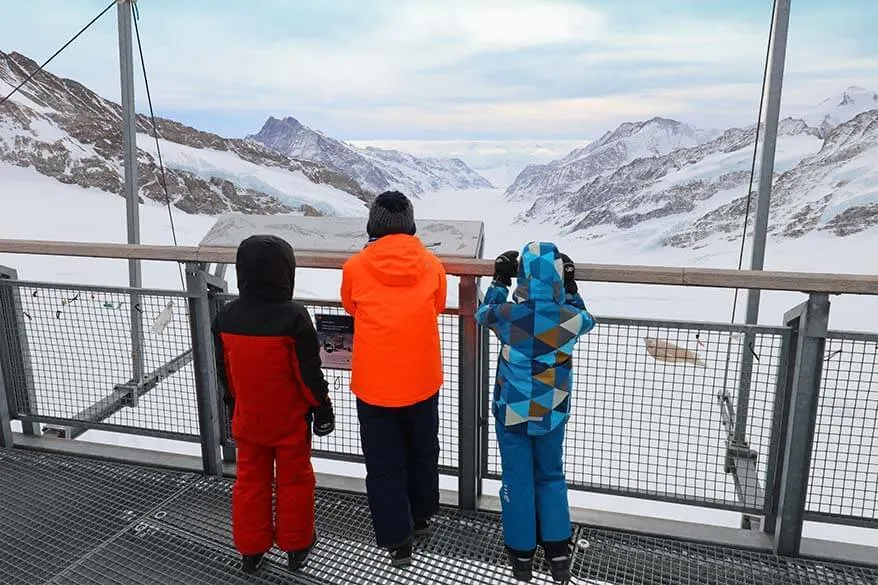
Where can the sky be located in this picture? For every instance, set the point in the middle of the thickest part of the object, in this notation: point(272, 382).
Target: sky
point(457, 69)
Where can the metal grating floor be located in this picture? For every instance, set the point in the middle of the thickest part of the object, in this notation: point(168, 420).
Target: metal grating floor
point(78, 521)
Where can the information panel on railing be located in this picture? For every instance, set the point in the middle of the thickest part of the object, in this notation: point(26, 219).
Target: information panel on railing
point(335, 333)
point(462, 239)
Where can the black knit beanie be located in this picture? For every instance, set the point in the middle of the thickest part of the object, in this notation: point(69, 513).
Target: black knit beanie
point(391, 213)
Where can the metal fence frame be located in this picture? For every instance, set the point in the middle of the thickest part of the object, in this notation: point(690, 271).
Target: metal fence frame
point(472, 477)
point(15, 350)
point(793, 418)
point(811, 513)
point(740, 465)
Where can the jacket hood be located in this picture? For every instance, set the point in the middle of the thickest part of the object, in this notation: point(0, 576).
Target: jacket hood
point(397, 260)
point(540, 273)
point(266, 268)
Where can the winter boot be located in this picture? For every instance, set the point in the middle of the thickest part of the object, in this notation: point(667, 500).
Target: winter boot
point(401, 555)
point(252, 563)
point(297, 559)
point(423, 527)
point(559, 555)
point(522, 563)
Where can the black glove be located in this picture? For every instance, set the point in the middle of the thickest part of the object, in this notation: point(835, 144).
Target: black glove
point(324, 418)
point(569, 275)
point(506, 267)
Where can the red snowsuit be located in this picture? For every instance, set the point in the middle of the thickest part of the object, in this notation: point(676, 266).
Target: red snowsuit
point(268, 361)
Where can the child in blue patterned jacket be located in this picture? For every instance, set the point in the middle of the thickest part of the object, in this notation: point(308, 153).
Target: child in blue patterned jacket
point(537, 332)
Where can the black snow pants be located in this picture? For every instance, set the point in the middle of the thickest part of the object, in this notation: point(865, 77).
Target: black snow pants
point(401, 446)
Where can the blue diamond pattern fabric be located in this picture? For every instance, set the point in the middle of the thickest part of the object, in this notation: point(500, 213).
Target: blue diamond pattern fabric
point(538, 331)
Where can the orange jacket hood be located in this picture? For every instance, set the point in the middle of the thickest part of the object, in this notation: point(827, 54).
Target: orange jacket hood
point(397, 260)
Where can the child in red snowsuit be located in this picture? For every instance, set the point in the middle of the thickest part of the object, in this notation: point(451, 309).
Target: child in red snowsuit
point(268, 361)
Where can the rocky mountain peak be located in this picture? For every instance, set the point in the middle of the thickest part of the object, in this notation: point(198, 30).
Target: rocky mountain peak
point(375, 169)
point(64, 130)
point(691, 186)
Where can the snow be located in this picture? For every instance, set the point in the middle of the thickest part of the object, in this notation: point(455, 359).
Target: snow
point(842, 107)
point(292, 188)
point(790, 151)
point(498, 161)
point(36, 207)
point(851, 185)
point(19, 97)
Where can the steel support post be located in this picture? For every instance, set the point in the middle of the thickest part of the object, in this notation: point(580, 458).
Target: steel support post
point(485, 392)
point(811, 319)
point(216, 284)
point(780, 416)
point(15, 362)
point(6, 440)
point(774, 91)
point(469, 454)
point(129, 157)
point(207, 393)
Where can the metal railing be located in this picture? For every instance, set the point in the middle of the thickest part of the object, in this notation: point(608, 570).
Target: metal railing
point(653, 429)
point(843, 484)
point(645, 424)
point(344, 443)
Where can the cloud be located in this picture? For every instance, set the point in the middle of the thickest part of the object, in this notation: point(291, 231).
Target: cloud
point(397, 68)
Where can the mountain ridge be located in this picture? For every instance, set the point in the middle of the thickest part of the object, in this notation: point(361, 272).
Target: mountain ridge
point(68, 132)
point(376, 169)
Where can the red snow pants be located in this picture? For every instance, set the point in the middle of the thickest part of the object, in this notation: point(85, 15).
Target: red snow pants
point(285, 467)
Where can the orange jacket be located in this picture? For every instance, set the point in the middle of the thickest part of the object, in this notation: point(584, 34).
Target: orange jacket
point(395, 289)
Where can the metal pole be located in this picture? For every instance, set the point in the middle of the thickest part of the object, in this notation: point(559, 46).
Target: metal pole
point(779, 428)
point(15, 356)
point(469, 398)
point(811, 320)
point(129, 155)
point(206, 392)
point(216, 284)
point(774, 90)
point(6, 440)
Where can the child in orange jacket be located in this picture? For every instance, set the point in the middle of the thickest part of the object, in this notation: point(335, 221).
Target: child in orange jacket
point(395, 289)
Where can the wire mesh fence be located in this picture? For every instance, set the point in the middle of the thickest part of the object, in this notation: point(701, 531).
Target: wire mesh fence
point(843, 482)
point(344, 442)
point(645, 416)
point(73, 363)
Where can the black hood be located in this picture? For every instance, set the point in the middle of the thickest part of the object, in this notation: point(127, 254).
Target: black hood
point(266, 267)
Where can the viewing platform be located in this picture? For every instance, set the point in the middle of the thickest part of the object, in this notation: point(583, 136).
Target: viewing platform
point(774, 424)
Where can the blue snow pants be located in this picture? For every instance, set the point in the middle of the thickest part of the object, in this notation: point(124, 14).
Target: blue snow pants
point(534, 491)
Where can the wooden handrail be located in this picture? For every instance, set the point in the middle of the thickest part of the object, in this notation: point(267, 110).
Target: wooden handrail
point(661, 275)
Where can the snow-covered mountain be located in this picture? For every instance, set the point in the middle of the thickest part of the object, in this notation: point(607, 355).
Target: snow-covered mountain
point(67, 132)
point(682, 187)
point(375, 169)
point(842, 107)
point(499, 161)
point(630, 141)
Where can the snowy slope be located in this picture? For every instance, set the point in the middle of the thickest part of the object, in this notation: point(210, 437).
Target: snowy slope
point(498, 161)
point(841, 108)
point(832, 190)
point(375, 169)
point(290, 187)
point(628, 142)
point(69, 133)
point(684, 196)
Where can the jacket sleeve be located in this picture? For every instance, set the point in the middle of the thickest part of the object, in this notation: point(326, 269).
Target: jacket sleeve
point(577, 304)
point(442, 291)
point(307, 355)
point(227, 392)
point(495, 313)
point(347, 299)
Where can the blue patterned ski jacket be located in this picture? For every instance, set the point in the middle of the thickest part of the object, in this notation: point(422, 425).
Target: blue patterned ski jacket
point(537, 333)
